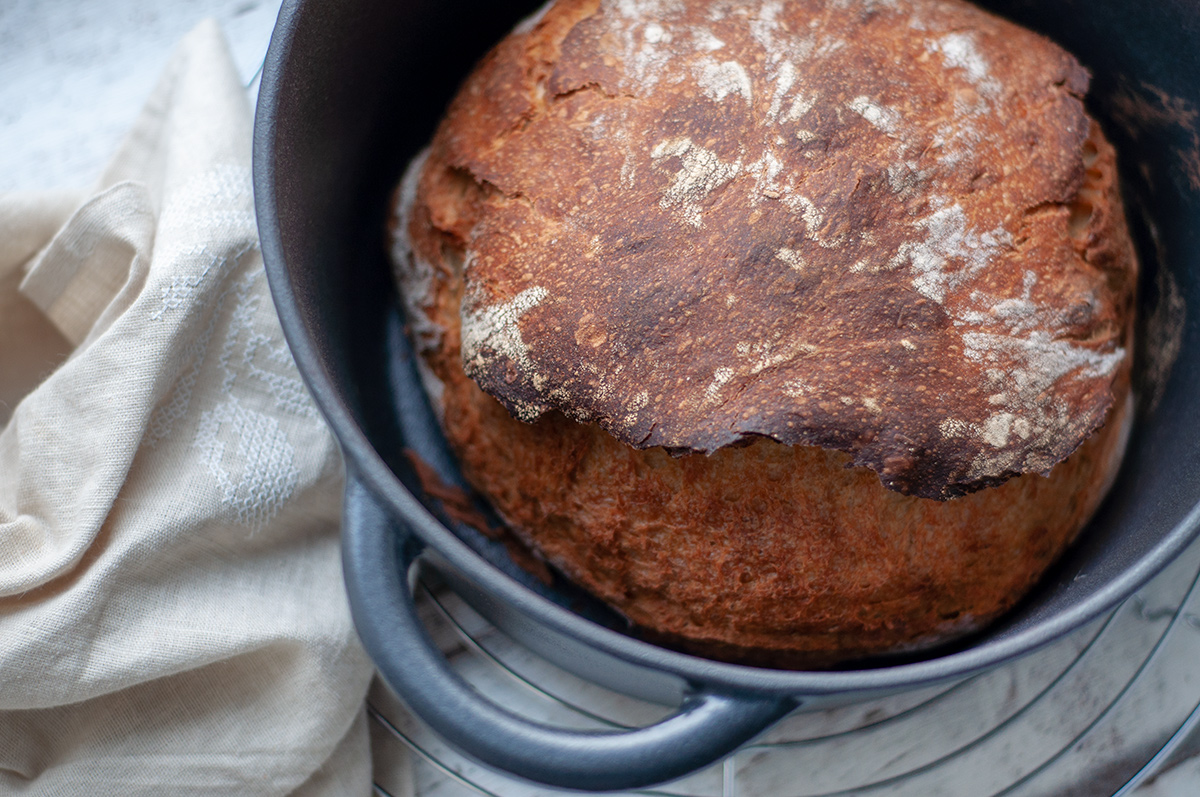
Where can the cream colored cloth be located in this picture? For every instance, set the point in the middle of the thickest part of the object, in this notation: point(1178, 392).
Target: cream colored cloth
point(172, 616)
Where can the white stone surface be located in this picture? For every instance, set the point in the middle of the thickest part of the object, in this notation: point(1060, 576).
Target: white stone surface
point(74, 74)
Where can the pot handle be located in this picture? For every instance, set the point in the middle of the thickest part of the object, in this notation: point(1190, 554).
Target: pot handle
point(708, 725)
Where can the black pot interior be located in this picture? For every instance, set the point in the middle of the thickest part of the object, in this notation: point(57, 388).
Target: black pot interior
point(362, 86)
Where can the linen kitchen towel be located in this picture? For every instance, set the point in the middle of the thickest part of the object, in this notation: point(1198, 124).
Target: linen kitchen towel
point(172, 616)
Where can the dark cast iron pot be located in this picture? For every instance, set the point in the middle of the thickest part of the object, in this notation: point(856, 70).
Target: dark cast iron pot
point(350, 92)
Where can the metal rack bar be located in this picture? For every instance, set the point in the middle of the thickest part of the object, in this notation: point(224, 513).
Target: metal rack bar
point(429, 758)
point(1190, 726)
point(476, 647)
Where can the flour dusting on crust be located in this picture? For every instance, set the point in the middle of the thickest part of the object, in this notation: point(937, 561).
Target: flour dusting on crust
point(889, 229)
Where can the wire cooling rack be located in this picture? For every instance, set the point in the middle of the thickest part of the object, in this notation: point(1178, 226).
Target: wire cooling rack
point(1096, 713)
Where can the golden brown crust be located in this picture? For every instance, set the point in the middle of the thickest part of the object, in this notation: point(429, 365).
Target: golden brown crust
point(767, 553)
point(946, 295)
point(735, 220)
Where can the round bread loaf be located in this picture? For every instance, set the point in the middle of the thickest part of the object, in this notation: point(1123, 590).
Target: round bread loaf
point(795, 331)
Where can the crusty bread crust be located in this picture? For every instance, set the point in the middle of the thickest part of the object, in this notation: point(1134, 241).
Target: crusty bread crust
point(943, 295)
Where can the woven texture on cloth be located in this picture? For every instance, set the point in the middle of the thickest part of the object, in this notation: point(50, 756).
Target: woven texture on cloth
point(172, 616)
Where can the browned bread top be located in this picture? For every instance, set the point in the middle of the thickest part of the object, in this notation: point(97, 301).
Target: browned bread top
point(869, 227)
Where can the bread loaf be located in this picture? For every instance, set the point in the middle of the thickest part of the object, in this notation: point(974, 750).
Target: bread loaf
point(795, 331)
